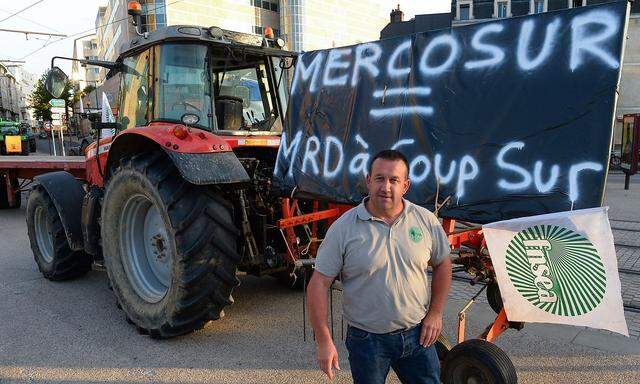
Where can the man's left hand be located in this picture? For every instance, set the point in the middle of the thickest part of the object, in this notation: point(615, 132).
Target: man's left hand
point(431, 327)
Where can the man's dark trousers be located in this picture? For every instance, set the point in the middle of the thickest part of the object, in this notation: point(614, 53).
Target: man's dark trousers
point(371, 355)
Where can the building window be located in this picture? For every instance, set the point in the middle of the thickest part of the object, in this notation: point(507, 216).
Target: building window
point(264, 4)
point(577, 3)
point(501, 9)
point(537, 6)
point(258, 30)
point(153, 15)
point(464, 10)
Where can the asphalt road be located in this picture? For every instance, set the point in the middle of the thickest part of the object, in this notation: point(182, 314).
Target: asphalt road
point(618, 178)
point(72, 332)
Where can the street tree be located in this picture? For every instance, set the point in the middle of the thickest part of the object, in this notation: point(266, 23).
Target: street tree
point(39, 99)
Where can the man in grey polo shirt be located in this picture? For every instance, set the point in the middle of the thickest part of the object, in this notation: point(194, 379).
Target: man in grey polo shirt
point(382, 247)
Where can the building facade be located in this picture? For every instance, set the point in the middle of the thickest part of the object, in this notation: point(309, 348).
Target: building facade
point(85, 47)
point(25, 82)
point(472, 11)
point(303, 24)
point(310, 25)
point(12, 100)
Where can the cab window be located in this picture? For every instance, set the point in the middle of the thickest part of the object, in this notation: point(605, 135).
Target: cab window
point(184, 84)
point(135, 91)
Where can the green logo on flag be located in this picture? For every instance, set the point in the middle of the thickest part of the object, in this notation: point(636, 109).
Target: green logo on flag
point(556, 269)
point(415, 234)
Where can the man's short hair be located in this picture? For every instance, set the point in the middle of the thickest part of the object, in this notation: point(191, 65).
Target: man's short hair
point(392, 155)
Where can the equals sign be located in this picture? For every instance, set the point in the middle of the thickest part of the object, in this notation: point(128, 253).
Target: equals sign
point(393, 111)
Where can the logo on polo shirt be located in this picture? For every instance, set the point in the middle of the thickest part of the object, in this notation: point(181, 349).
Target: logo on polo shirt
point(415, 234)
point(556, 269)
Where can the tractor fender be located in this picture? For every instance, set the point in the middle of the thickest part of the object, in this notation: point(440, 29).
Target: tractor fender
point(67, 195)
point(202, 158)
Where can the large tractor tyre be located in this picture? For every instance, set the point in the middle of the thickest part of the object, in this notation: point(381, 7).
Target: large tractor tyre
point(443, 346)
point(478, 361)
point(170, 247)
point(4, 195)
point(494, 297)
point(55, 260)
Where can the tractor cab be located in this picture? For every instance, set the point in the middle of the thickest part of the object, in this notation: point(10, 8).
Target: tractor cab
point(225, 82)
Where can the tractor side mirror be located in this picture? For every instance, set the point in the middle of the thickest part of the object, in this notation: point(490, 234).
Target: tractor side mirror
point(55, 82)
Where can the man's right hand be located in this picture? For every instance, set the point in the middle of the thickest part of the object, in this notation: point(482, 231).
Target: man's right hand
point(328, 358)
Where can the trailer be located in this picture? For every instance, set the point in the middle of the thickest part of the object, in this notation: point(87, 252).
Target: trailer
point(17, 173)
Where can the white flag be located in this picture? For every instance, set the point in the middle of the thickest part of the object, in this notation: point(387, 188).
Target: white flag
point(107, 117)
point(558, 268)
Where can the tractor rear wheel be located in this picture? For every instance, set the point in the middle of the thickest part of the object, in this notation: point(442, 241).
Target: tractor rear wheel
point(478, 361)
point(4, 195)
point(170, 247)
point(55, 260)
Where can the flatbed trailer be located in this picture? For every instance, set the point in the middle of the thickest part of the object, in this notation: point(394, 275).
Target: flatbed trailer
point(17, 173)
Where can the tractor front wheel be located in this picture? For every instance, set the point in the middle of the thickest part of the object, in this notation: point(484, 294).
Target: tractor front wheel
point(169, 247)
point(55, 259)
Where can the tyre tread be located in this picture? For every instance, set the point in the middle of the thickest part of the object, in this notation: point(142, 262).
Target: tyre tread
point(67, 264)
point(200, 224)
point(488, 354)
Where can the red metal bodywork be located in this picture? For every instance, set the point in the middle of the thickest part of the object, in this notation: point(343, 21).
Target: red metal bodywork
point(196, 141)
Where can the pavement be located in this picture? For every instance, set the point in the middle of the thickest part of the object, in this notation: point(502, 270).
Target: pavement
point(72, 332)
point(624, 215)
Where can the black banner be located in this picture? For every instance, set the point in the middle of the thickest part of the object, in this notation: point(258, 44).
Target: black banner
point(511, 118)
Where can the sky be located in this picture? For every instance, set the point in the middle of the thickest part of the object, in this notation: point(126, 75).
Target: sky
point(76, 18)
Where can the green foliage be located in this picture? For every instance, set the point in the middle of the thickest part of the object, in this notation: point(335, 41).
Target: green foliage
point(88, 89)
point(39, 98)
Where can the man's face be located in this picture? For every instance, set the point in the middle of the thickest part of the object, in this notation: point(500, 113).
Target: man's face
point(387, 183)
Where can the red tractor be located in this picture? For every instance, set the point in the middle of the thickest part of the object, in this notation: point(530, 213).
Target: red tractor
point(176, 198)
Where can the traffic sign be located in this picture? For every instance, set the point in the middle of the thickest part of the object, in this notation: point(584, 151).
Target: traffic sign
point(56, 123)
point(57, 110)
point(57, 103)
point(55, 116)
